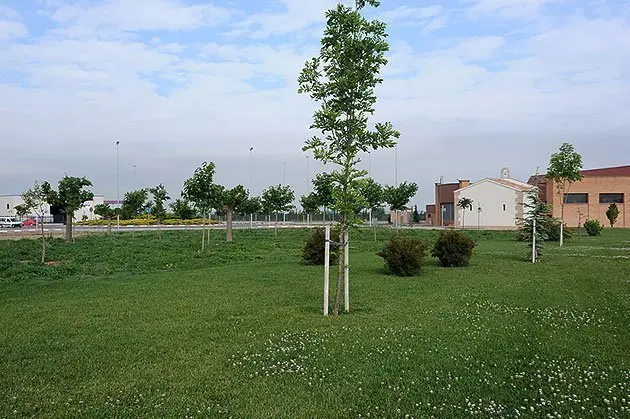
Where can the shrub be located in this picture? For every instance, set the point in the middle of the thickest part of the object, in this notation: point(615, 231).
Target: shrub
point(593, 227)
point(313, 252)
point(403, 256)
point(453, 248)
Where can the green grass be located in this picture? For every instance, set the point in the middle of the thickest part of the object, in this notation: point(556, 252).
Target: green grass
point(139, 327)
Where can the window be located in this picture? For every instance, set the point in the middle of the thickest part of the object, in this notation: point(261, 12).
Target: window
point(8, 206)
point(576, 198)
point(503, 207)
point(611, 198)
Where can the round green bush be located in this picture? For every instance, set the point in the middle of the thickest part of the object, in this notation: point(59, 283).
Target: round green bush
point(313, 252)
point(453, 249)
point(404, 256)
point(593, 227)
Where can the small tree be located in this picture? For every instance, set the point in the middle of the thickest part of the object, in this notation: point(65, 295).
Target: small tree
point(71, 194)
point(231, 200)
point(310, 203)
point(35, 201)
point(398, 197)
point(323, 189)
point(105, 211)
point(134, 204)
point(276, 199)
point(182, 209)
point(372, 192)
point(416, 215)
point(201, 191)
point(159, 197)
point(464, 204)
point(564, 169)
point(250, 207)
point(612, 213)
point(536, 222)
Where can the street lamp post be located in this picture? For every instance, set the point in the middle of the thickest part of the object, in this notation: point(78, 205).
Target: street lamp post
point(284, 172)
point(443, 213)
point(117, 186)
point(251, 176)
point(308, 185)
point(135, 183)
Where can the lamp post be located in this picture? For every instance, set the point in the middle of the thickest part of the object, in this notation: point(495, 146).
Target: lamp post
point(308, 185)
point(135, 183)
point(251, 176)
point(443, 212)
point(284, 172)
point(117, 185)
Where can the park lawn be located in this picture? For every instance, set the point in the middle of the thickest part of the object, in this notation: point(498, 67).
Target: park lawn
point(140, 326)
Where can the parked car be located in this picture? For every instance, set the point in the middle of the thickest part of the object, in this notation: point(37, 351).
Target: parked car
point(29, 222)
point(10, 222)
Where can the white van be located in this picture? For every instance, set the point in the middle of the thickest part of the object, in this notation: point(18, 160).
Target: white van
point(10, 222)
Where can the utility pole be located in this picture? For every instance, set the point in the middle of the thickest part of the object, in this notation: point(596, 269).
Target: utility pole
point(117, 186)
point(284, 172)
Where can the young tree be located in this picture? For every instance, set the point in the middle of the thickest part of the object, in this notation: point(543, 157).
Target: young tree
point(35, 200)
point(134, 203)
point(105, 211)
point(230, 200)
point(276, 199)
point(159, 197)
point(250, 206)
point(323, 189)
point(310, 203)
point(201, 191)
point(564, 169)
point(612, 213)
point(398, 197)
point(343, 78)
point(71, 193)
point(416, 215)
point(465, 204)
point(182, 209)
point(372, 192)
point(535, 222)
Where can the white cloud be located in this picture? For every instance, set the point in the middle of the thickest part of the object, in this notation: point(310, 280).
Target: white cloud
point(12, 30)
point(410, 13)
point(513, 9)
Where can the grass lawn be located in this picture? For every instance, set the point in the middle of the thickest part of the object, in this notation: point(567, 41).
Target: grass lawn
point(128, 326)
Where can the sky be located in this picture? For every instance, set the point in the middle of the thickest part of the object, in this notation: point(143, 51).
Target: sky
point(472, 85)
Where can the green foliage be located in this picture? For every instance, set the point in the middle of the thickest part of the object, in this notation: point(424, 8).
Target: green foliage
point(403, 255)
point(231, 199)
point(104, 210)
point(398, 196)
point(34, 200)
point(453, 249)
point(310, 203)
point(323, 189)
point(415, 215)
point(593, 227)
point(612, 213)
point(277, 199)
point(552, 229)
point(159, 197)
point(134, 204)
point(313, 252)
point(251, 205)
point(564, 169)
point(71, 193)
point(200, 189)
point(182, 209)
point(372, 192)
point(465, 203)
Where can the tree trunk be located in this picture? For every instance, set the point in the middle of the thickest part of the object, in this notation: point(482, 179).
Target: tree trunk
point(346, 268)
point(69, 217)
point(109, 226)
point(276, 226)
point(43, 240)
point(203, 233)
point(464, 219)
point(339, 276)
point(228, 220)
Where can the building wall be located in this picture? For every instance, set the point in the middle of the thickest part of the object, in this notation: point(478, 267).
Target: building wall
point(444, 197)
point(593, 186)
point(500, 205)
point(9, 202)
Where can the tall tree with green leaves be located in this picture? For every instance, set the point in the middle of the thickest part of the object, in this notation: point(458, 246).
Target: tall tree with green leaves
point(416, 215)
point(71, 193)
point(277, 199)
point(160, 196)
point(310, 204)
point(202, 192)
point(107, 212)
point(134, 204)
point(343, 79)
point(612, 213)
point(323, 189)
point(250, 206)
point(564, 169)
point(397, 197)
point(229, 201)
point(373, 194)
point(35, 200)
point(464, 204)
point(182, 209)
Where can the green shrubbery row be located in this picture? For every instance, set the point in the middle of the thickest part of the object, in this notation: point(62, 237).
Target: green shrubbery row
point(403, 255)
point(148, 221)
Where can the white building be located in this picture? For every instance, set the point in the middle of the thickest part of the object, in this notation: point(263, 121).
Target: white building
point(9, 202)
point(496, 202)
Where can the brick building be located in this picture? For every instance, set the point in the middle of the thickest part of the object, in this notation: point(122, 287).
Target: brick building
point(591, 197)
point(445, 202)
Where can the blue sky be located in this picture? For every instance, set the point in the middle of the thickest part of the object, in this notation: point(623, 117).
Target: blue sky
point(473, 85)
